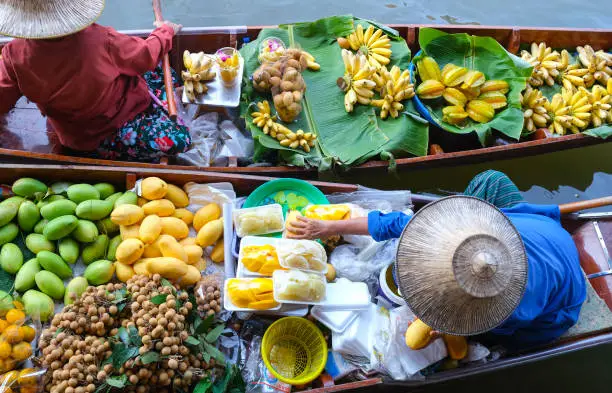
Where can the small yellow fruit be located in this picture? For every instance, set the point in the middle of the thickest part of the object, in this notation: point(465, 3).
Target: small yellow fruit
point(169, 247)
point(130, 231)
point(153, 188)
point(177, 196)
point(171, 268)
point(189, 241)
point(9, 378)
point(190, 278)
point(127, 215)
point(12, 334)
point(140, 267)
point(123, 271)
point(174, 227)
point(150, 229)
point(3, 325)
point(15, 317)
point(208, 213)
point(218, 252)
point(129, 251)
point(194, 253)
point(161, 207)
point(152, 250)
point(142, 201)
point(5, 349)
point(21, 351)
point(184, 215)
point(418, 335)
point(28, 333)
point(331, 273)
point(27, 376)
point(210, 233)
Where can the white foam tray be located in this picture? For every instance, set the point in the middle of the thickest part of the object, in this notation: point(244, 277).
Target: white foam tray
point(218, 94)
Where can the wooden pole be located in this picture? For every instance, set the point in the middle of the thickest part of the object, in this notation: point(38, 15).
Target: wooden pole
point(166, 67)
point(573, 207)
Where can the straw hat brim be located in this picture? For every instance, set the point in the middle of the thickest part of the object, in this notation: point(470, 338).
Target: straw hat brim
point(426, 254)
point(43, 19)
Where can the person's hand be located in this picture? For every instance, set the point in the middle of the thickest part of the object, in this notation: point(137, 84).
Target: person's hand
point(176, 28)
point(307, 228)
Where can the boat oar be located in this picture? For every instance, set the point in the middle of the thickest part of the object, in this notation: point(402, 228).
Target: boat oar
point(166, 68)
point(573, 207)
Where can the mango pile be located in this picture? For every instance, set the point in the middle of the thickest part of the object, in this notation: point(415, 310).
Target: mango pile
point(155, 238)
point(15, 340)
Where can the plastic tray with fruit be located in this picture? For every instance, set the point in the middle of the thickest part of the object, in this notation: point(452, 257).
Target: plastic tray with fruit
point(249, 294)
point(305, 255)
point(257, 257)
point(260, 220)
point(298, 287)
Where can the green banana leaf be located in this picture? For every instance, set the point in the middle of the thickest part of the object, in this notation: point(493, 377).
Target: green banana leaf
point(603, 132)
point(343, 139)
point(488, 56)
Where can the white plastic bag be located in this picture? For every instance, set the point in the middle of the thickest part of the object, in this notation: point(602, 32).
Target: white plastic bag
point(361, 264)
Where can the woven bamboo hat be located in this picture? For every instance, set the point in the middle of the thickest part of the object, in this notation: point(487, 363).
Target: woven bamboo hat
point(461, 265)
point(38, 19)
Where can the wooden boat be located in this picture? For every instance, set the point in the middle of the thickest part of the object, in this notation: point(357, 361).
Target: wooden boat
point(592, 234)
point(24, 137)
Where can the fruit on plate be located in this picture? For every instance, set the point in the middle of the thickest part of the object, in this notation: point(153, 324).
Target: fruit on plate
point(358, 80)
point(302, 254)
point(372, 43)
point(260, 259)
point(198, 73)
point(335, 212)
point(258, 221)
point(253, 293)
point(428, 69)
point(295, 285)
point(395, 88)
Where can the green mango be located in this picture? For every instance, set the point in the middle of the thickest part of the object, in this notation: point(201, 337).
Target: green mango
point(8, 233)
point(25, 276)
point(28, 216)
point(11, 258)
point(107, 226)
point(49, 199)
point(6, 302)
point(28, 187)
point(38, 305)
point(54, 263)
point(96, 250)
point(56, 209)
point(75, 288)
point(60, 227)
point(105, 189)
point(112, 248)
point(50, 284)
point(85, 232)
point(7, 213)
point(128, 198)
point(78, 193)
point(69, 250)
point(94, 209)
point(37, 243)
point(60, 187)
point(113, 198)
point(14, 200)
point(99, 272)
point(40, 226)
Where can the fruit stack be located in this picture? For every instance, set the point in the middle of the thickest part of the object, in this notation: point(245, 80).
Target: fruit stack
point(198, 72)
point(15, 340)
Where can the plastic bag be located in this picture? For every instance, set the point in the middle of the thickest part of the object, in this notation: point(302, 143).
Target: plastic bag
point(201, 195)
point(24, 380)
point(371, 199)
point(362, 264)
point(204, 133)
point(391, 355)
point(231, 142)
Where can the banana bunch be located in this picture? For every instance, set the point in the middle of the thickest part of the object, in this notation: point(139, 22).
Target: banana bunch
point(264, 118)
point(372, 43)
point(357, 82)
point(198, 72)
point(533, 104)
point(299, 139)
point(396, 88)
point(600, 99)
point(546, 64)
point(558, 112)
point(579, 108)
point(598, 64)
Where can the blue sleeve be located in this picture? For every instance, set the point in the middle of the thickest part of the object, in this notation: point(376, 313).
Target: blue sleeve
point(551, 211)
point(387, 226)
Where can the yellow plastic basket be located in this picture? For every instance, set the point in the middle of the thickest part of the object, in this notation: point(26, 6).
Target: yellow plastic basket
point(294, 350)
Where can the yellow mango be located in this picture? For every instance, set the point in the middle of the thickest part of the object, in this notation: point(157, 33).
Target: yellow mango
point(141, 201)
point(152, 250)
point(169, 247)
point(127, 215)
point(456, 346)
point(150, 229)
point(218, 252)
point(251, 293)
point(161, 207)
point(188, 241)
point(124, 272)
point(291, 218)
point(194, 253)
point(153, 188)
point(418, 335)
point(129, 251)
point(190, 278)
point(208, 213)
point(167, 267)
point(328, 212)
point(140, 267)
point(210, 233)
point(130, 232)
point(184, 215)
point(174, 227)
point(263, 304)
point(178, 197)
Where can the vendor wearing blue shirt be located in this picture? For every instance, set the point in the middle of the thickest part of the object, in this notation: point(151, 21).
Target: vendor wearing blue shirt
point(555, 288)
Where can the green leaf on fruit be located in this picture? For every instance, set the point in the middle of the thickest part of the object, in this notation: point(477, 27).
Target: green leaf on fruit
point(159, 299)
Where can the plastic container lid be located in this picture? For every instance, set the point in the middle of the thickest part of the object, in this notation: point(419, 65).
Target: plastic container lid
point(266, 210)
point(336, 321)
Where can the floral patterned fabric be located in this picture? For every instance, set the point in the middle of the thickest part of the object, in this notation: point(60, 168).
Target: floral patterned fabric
point(151, 134)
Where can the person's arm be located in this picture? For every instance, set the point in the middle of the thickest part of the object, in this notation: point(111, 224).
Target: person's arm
point(135, 56)
point(9, 90)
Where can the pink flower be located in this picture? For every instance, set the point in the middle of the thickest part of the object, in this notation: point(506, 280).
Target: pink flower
point(164, 143)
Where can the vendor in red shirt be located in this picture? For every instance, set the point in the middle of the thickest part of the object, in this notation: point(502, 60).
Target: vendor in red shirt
point(100, 89)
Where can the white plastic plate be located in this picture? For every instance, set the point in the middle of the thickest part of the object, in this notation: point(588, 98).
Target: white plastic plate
point(218, 94)
point(336, 321)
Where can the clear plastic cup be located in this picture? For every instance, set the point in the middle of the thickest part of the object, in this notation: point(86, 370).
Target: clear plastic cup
point(271, 49)
point(229, 64)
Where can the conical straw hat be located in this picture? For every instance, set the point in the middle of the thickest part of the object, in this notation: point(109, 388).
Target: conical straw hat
point(37, 19)
point(461, 265)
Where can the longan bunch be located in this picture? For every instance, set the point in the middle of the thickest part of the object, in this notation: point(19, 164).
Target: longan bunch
point(208, 295)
